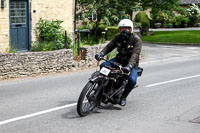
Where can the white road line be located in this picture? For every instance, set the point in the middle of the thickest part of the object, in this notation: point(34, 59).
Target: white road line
point(74, 104)
point(36, 114)
point(170, 81)
point(169, 59)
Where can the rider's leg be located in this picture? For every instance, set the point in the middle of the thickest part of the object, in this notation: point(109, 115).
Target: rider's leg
point(132, 80)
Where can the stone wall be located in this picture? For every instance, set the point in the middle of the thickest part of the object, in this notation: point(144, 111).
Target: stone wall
point(4, 27)
point(89, 52)
point(87, 59)
point(15, 65)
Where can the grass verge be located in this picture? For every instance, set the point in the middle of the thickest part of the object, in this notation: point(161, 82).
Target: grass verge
point(187, 37)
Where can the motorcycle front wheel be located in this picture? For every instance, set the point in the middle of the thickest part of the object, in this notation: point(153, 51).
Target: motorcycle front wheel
point(88, 99)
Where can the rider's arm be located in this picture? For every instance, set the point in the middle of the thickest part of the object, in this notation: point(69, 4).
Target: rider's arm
point(110, 46)
point(134, 60)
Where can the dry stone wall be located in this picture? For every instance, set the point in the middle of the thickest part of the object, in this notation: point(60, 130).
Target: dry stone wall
point(88, 53)
point(15, 65)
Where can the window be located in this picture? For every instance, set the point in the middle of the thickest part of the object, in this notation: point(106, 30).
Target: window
point(18, 12)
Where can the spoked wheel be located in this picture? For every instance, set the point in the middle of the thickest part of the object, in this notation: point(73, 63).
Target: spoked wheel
point(88, 99)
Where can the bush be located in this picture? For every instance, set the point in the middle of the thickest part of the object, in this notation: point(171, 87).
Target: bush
point(112, 31)
point(42, 46)
point(164, 17)
point(193, 13)
point(181, 10)
point(101, 35)
point(50, 36)
point(49, 30)
point(10, 50)
point(142, 18)
point(137, 25)
point(181, 21)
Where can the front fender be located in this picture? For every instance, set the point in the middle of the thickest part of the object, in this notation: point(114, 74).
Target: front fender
point(96, 79)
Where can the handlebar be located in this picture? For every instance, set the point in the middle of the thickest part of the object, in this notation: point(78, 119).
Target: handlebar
point(116, 65)
point(113, 63)
point(140, 70)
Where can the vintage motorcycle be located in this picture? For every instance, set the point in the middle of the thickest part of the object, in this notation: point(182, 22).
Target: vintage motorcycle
point(104, 86)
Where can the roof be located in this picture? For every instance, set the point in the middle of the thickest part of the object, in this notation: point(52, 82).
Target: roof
point(188, 2)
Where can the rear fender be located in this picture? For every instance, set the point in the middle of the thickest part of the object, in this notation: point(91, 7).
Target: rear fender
point(140, 71)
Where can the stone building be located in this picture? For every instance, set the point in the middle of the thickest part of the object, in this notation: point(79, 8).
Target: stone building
point(18, 19)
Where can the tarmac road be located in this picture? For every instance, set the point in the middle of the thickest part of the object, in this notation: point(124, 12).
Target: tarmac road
point(166, 101)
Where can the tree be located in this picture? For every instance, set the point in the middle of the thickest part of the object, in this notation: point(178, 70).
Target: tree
point(107, 11)
point(161, 9)
point(159, 5)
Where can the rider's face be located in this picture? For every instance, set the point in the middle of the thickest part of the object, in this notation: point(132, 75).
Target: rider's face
point(125, 28)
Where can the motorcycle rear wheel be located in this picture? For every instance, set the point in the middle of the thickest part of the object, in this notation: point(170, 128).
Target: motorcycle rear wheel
point(87, 100)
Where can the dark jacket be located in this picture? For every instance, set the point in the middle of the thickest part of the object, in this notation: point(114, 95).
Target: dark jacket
point(128, 50)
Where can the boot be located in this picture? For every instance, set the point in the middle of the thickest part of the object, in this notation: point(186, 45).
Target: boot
point(123, 97)
point(122, 101)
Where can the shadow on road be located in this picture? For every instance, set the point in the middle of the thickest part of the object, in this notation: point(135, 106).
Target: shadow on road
point(71, 113)
point(110, 107)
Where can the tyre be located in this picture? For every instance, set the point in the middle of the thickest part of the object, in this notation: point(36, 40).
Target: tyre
point(88, 99)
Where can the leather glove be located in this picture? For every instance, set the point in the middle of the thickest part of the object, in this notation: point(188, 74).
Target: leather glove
point(98, 56)
point(127, 68)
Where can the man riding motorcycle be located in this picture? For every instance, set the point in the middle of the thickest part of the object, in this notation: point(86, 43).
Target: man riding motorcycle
point(129, 46)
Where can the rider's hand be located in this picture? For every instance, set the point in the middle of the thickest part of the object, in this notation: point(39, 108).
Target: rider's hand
point(127, 68)
point(98, 56)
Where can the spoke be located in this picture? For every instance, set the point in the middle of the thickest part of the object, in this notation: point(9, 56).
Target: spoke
point(89, 99)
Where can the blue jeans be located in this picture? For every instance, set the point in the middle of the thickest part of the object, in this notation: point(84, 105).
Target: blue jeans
point(132, 79)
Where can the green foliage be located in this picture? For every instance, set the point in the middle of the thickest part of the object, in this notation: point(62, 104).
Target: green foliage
point(49, 30)
point(112, 31)
point(189, 37)
point(10, 50)
point(164, 17)
point(103, 31)
point(193, 12)
point(181, 10)
point(142, 18)
point(171, 20)
point(108, 12)
point(181, 21)
point(91, 40)
point(112, 54)
point(42, 46)
point(137, 25)
point(162, 10)
point(159, 5)
point(97, 32)
point(50, 36)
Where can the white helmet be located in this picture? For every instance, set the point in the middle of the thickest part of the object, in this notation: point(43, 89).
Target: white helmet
point(126, 23)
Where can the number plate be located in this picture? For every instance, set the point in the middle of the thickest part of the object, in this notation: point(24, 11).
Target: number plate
point(105, 71)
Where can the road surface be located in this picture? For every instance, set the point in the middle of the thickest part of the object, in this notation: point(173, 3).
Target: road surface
point(166, 101)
